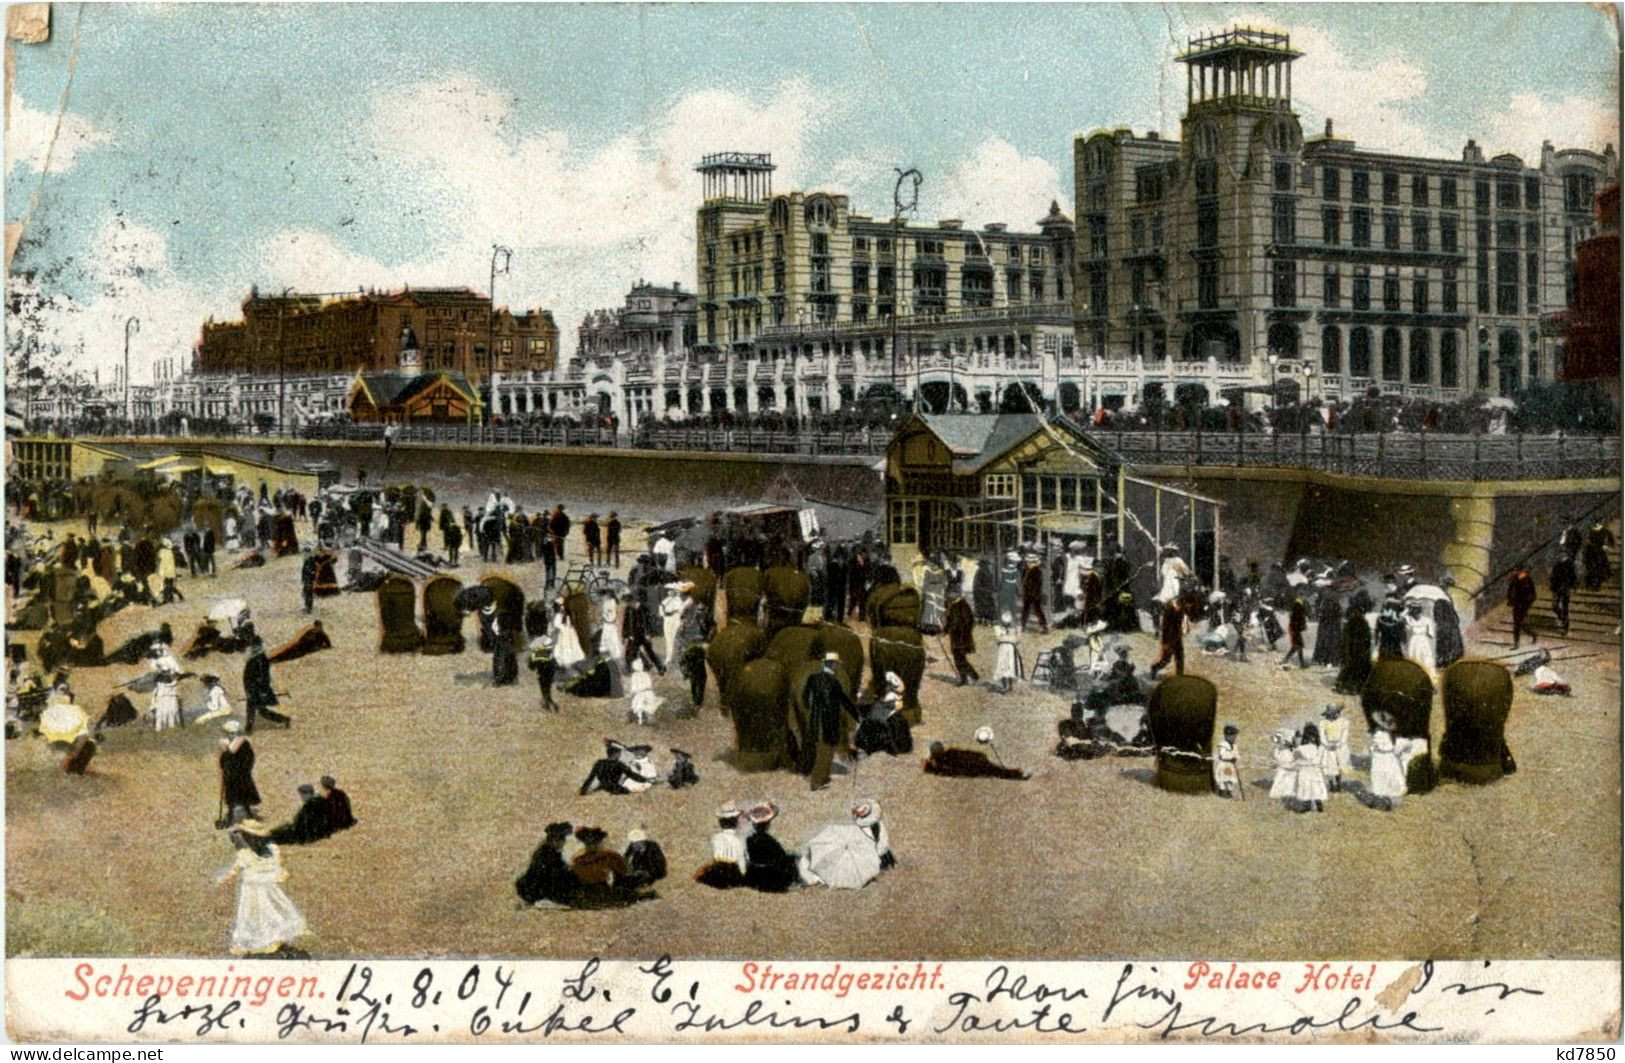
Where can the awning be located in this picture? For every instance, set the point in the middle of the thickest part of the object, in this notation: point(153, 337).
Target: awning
point(167, 459)
point(1068, 524)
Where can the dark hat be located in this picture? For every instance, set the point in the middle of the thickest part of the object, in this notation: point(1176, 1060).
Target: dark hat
point(307, 789)
point(328, 781)
point(558, 830)
point(684, 754)
point(590, 835)
point(211, 679)
point(1231, 729)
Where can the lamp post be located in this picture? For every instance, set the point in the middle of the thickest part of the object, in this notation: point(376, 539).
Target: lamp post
point(281, 356)
point(131, 324)
point(898, 206)
point(1308, 373)
point(1275, 361)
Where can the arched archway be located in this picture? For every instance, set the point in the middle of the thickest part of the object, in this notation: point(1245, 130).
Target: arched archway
point(1508, 357)
point(934, 395)
point(1283, 339)
point(696, 399)
point(765, 399)
point(1021, 396)
point(1331, 349)
point(1213, 339)
point(1071, 397)
point(1421, 357)
point(1392, 354)
point(1360, 351)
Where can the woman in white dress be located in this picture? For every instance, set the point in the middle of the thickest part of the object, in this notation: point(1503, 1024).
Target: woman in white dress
point(1387, 765)
point(1285, 786)
point(643, 702)
point(1420, 640)
point(267, 921)
point(1311, 783)
point(1007, 660)
point(567, 651)
point(609, 632)
point(166, 701)
point(672, 608)
point(1173, 572)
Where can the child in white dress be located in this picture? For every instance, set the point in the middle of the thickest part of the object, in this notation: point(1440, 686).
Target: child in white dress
point(1226, 778)
point(1285, 786)
point(1387, 764)
point(1007, 661)
point(1311, 783)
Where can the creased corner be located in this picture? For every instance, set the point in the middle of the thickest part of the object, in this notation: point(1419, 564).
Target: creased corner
point(28, 23)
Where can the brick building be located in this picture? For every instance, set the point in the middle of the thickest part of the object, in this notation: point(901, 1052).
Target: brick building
point(311, 334)
point(1592, 323)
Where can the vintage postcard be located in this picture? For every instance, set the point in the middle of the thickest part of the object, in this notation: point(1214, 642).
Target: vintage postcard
point(877, 523)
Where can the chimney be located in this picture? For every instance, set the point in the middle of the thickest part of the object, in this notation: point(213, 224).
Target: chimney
point(1328, 129)
point(950, 223)
point(1152, 134)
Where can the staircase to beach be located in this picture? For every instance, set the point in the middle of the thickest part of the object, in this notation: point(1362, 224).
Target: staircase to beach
point(1594, 616)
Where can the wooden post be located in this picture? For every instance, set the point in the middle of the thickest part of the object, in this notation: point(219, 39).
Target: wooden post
point(1477, 441)
point(1380, 437)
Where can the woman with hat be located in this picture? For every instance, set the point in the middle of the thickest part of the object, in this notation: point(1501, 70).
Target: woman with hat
point(166, 702)
point(602, 873)
point(884, 728)
point(215, 703)
point(547, 882)
point(1007, 659)
point(726, 868)
point(567, 649)
point(504, 662)
point(239, 797)
point(609, 633)
point(267, 921)
point(768, 867)
point(866, 817)
point(1419, 635)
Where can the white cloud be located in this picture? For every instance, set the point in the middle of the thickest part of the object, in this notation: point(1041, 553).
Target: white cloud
point(28, 137)
point(1527, 119)
point(583, 222)
point(131, 276)
point(998, 183)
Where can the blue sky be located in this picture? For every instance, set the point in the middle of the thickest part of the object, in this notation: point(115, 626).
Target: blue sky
point(206, 147)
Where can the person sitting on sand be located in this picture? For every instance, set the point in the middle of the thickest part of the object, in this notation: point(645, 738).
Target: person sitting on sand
point(966, 764)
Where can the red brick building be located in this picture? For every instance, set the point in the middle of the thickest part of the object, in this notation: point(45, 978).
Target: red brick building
point(310, 334)
point(1592, 332)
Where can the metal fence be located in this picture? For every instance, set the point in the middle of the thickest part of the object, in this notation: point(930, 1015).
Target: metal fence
point(1393, 455)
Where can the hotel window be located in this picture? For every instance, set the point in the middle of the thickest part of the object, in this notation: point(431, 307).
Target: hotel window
point(1390, 292)
point(1531, 279)
point(1207, 177)
point(1156, 230)
point(1419, 190)
point(1390, 188)
point(1283, 286)
point(1136, 233)
point(1330, 183)
point(860, 279)
point(1419, 294)
point(1506, 194)
point(1531, 192)
point(1531, 233)
point(1447, 192)
point(1419, 232)
point(1360, 352)
point(1097, 236)
point(1285, 222)
point(1506, 232)
point(1207, 225)
point(1332, 288)
point(1331, 226)
point(1447, 233)
point(1506, 282)
point(1448, 291)
point(1012, 285)
point(1036, 285)
point(1481, 195)
point(1579, 191)
point(1360, 187)
point(860, 245)
point(999, 485)
point(1097, 291)
point(1484, 231)
point(1207, 283)
point(1483, 280)
point(1392, 354)
point(1360, 227)
point(1447, 360)
point(1390, 230)
point(1283, 176)
point(1421, 357)
point(1362, 289)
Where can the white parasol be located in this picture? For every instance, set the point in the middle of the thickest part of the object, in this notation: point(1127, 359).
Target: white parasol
point(228, 609)
point(1427, 591)
point(843, 857)
point(1125, 721)
point(63, 723)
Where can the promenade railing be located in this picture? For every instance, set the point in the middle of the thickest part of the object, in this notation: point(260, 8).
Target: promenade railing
point(1388, 455)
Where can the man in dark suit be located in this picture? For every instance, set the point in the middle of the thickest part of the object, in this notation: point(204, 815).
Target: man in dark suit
point(257, 690)
point(612, 540)
point(826, 700)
